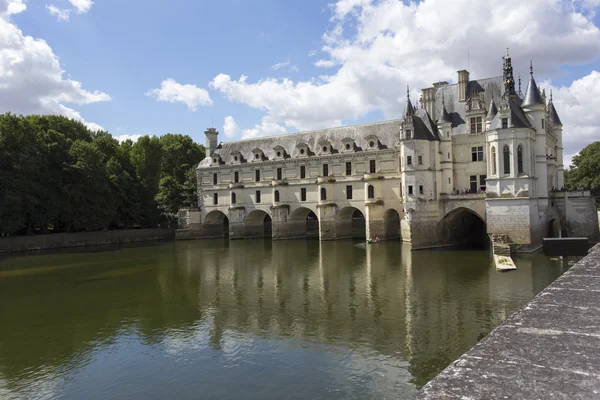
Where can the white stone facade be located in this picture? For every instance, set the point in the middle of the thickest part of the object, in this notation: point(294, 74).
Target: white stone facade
point(488, 164)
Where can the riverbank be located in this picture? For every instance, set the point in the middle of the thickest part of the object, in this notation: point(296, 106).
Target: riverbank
point(64, 240)
point(548, 349)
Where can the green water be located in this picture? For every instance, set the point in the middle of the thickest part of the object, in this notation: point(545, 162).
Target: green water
point(248, 319)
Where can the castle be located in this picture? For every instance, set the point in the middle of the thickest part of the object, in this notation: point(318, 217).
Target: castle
point(473, 160)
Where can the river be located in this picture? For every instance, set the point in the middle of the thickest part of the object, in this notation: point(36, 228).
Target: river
point(248, 319)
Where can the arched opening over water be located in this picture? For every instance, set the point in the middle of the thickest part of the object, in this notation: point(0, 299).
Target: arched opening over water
point(463, 227)
point(216, 223)
point(350, 223)
point(391, 220)
point(257, 224)
point(303, 222)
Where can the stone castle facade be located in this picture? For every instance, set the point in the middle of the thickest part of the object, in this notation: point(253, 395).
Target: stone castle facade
point(475, 158)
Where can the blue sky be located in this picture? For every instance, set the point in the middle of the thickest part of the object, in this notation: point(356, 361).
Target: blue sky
point(339, 62)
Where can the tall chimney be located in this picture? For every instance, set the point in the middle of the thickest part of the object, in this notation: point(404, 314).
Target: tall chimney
point(212, 139)
point(463, 83)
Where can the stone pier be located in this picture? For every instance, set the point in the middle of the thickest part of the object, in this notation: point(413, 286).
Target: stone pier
point(546, 350)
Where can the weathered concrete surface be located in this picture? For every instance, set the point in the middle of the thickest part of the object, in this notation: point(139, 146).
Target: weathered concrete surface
point(547, 350)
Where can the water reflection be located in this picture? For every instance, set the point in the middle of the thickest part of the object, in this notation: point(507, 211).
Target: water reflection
point(251, 319)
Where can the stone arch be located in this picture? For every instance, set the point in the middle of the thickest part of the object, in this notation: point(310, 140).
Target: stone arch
point(462, 226)
point(350, 223)
point(303, 223)
point(257, 224)
point(215, 224)
point(391, 224)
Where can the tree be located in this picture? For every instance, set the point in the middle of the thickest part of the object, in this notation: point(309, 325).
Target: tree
point(585, 171)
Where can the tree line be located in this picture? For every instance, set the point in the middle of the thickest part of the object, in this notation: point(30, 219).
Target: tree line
point(56, 175)
point(585, 171)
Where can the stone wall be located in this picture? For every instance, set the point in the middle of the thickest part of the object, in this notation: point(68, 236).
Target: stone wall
point(61, 240)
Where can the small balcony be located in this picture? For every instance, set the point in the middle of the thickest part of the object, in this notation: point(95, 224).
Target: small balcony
point(373, 177)
point(325, 179)
point(279, 182)
point(236, 186)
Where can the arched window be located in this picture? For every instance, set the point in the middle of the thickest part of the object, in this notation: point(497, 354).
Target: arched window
point(277, 196)
point(233, 198)
point(371, 192)
point(493, 160)
point(520, 159)
point(506, 160)
point(323, 194)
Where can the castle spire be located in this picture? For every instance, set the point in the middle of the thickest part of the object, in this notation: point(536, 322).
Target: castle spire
point(409, 110)
point(553, 114)
point(493, 110)
point(520, 93)
point(445, 117)
point(532, 95)
point(509, 80)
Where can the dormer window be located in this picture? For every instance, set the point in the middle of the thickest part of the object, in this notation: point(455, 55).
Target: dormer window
point(216, 159)
point(348, 145)
point(258, 155)
point(372, 142)
point(302, 150)
point(279, 152)
point(408, 134)
point(504, 123)
point(325, 146)
point(236, 157)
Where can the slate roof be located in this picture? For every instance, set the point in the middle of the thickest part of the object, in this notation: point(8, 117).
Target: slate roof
point(424, 127)
point(532, 95)
point(517, 116)
point(387, 132)
point(457, 110)
point(553, 114)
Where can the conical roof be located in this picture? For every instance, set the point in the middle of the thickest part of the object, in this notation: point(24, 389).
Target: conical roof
point(409, 110)
point(493, 110)
point(553, 114)
point(532, 95)
point(445, 117)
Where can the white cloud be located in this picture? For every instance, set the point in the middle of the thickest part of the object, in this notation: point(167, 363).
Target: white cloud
point(312, 53)
point(279, 65)
point(576, 106)
point(265, 128)
point(230, 127)
point(82, 6)
point(122, 138)
point(174, 92)
point(31, 77)
point(59, 13)
point(378, 47)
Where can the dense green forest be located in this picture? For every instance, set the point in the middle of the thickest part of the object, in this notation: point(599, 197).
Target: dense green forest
point(585, 171)
point(58, 176)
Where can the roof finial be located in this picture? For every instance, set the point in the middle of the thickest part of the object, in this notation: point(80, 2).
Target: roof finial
point(550, 94)
point(531, 67)
point(407, 92)
point(520, 93)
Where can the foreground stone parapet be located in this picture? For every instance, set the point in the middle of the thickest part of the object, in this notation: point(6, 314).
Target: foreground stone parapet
point(546, 350)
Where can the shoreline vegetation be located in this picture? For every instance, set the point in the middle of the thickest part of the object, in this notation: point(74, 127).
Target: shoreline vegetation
point(58, 176)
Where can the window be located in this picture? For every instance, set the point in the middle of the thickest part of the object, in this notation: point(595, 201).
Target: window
point(302, 172)
point(372, 166)
point(257, 156)
point(421, 189)
point(448, 156)
point(504, 123)
point(324, 149)
point(409, 160)
point(323, 194)
point(542, 123)
point(301, 151)
point(233, 198)
point(477, 153)
point(476, 125)
point(303, 194)
point(347, 146)
point(215, 199)
point(349, 192)
point(348, 168)
point(520, 159)
point(279, 174)
point(473, 181)
point(236, 177)
point(408, 134)
point(482, 179)
point(370, 192)
point(325, 170)
point(493, 160)
point(278, 154)
point(214, 179)
point(371, 144)
point(258, 196)
point(257, 175)
point(506, 160)
point(410, 191)
point(447, 133)
point(420, 160)
point(276, 196)
point(449, 181)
